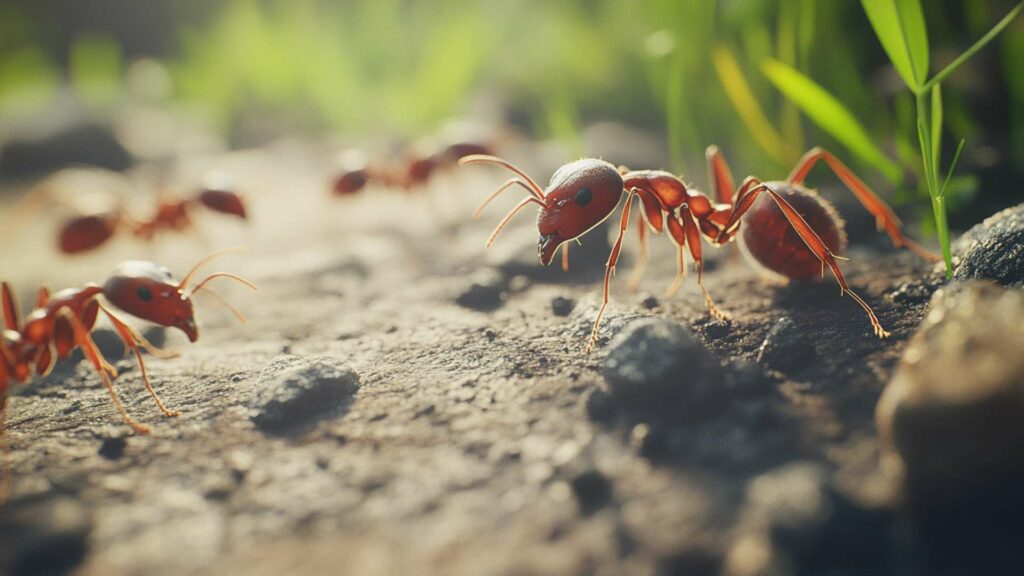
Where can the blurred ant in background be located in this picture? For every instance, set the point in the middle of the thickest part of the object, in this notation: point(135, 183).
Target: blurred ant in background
point(413, 172)
point(102, 214)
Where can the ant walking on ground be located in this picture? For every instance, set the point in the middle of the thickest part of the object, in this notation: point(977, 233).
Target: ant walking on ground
point(796, 235)
point(62, 322)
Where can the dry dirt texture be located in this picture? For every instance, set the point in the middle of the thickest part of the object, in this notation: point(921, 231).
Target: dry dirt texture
point(467, 447)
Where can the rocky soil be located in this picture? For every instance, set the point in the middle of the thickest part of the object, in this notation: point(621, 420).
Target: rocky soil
point(402, 401)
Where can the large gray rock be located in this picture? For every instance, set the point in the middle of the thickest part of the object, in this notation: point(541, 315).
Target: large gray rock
point(952, 417)
point(795, 521)
point(658, 364)
point(294, 390)
point(43, 535)
point(994, 249)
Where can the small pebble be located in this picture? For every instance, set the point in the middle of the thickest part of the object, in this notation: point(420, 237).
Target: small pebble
point(483, 290)
point(561, 306)
point(592, 490)
point(786, 348)
point(113, 448)
point(293, 390)
point(658, 365)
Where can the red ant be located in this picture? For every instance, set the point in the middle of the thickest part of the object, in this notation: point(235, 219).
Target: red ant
point(62, 322)
point(84, 233)
point(796, 236)
point(415, 171)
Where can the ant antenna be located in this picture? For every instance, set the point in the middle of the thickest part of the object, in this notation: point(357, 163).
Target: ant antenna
point(223, 302)
point(203, 283)
point(206, 260)
point(487, 159)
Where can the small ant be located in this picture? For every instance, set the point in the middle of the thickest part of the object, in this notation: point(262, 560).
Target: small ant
point(62, 322)
point(413, 172)
point(796, 236)
point(88, 232)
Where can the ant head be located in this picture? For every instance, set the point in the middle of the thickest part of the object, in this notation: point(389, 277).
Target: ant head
point(223, 201)
point(581, 195)
point(149, 291)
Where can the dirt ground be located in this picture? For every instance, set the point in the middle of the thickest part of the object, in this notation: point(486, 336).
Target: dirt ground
point(475, 442)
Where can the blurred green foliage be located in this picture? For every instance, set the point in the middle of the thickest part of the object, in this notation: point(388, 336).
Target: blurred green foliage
point(743, 74)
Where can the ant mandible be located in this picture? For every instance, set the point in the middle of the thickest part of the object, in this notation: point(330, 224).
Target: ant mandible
point(62, 322)
point(786, 236)
point(88, 232)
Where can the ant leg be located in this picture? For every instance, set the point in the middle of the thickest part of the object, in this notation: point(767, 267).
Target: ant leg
point(722, 181)
point(11, 309)
point(680, 272)
point(885, 218)
point(565, 257)
point(131, 340)
point(42, 296)
point(641, 259)
point(719, 175)
point(99, 363)
point(142, 340)
point(693, 240)
point(613, 258)
point(827, 258)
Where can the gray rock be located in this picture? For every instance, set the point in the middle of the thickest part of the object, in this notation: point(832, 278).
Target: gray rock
point(483, 290)
point(786, 348)
point(592, 489)
point(562, 306)
point(952, 417)
point(293, 390)
point(994, 249)
point(796, 522)
point(43, 536)
point(659, 364)
point(85, 143)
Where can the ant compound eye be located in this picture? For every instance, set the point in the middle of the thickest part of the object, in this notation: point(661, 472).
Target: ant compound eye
point(144, 294)
point(583, 196)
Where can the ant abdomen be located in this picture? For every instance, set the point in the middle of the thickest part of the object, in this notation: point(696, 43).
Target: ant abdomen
point(773, 242)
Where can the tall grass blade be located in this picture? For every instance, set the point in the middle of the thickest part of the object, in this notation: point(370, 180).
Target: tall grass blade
point(936, 133)
point(830, 115)
point(949, 174)
point(975, 47)
point(742, 97)
point(899, 25)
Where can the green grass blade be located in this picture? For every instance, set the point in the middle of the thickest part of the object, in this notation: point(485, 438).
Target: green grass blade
point(830, 115)
point(936, 141)
point(899, 25)
point(742, 97)
point(911, 19)
point(949, 175)
point(974, 48)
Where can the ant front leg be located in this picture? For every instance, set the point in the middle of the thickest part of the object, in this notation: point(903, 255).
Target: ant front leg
point(92, 352)
point(641, 258)
point(885, 218)
point(613, 258)
point(131, 340)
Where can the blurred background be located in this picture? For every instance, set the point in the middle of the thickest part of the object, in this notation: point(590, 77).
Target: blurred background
point(111, 82)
